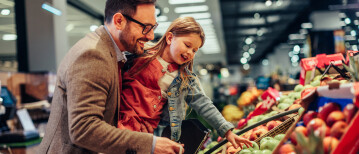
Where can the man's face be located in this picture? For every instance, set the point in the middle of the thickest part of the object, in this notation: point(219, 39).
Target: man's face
point(131, 37)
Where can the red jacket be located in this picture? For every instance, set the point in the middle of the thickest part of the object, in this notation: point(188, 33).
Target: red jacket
point(141, 98)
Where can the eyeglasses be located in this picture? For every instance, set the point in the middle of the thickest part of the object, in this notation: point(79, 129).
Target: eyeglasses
point(146, 27)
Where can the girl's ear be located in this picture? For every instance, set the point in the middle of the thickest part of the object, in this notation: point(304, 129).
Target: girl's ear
point(119, 21)
point(169, 37)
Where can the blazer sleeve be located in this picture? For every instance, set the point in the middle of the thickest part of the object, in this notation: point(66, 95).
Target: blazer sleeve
point(88, 82)
point(204, 107)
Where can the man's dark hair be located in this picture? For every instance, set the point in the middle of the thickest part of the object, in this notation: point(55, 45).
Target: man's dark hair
point(127, 7)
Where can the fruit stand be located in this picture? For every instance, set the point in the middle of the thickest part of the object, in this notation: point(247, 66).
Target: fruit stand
point(326, 123)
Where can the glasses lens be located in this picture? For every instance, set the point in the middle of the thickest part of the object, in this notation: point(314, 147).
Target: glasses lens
point(148, 28)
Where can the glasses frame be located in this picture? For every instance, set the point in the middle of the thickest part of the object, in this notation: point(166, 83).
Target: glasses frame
point(142, 24)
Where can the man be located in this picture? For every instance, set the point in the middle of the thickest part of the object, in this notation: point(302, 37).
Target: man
point(87, 95)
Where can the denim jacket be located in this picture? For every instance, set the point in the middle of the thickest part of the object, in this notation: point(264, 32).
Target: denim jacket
point(175, 110)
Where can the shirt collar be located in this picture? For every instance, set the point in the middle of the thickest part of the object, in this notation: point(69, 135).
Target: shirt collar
point(121, 56)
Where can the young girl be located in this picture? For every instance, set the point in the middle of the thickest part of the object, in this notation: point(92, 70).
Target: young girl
point(162, 83)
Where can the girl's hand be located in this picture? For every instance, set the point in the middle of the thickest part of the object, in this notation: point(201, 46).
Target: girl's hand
point(236, 140)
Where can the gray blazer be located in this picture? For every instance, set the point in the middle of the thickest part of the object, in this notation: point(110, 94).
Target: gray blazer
point(83, 115)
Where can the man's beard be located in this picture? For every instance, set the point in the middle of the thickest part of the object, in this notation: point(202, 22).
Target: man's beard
point(125, 39)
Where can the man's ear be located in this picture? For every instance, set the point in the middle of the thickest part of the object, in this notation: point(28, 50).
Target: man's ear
point(119, 21)
point(169, 37)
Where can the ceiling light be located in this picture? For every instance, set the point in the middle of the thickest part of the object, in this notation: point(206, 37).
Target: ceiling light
point(203, 72)
point(303, 31)
point(166, 10)
point(162, 18)
point(343, 15)
point(174, 2)
point(290, 54)
point(246, 66)
point(5, 12)
point(295, 58)
point(307, 25)
point(252, 51)
point(353, 33)
point(296, 37)
point(295, 64)
point(355, 47)
point(259, 32)
point(205, 22)
point(279, 3)
point(257, 16)
point(265, 62)
point(248, 40)
point(51, 9)
point(244, 60)
point(296, 48)
point(225, 72)
point(210, 51)
point(356, 22)
point(186, 9)
point(268, 3)
point(205, 15)
point(246, 55)
point(347, 21)
point(69, 27)
point(9, 37)
point(93, 28)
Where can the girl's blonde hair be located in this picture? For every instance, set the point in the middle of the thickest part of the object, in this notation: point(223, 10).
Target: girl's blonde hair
point(180, 26)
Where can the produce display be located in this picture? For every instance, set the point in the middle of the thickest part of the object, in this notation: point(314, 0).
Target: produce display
point(322, 130)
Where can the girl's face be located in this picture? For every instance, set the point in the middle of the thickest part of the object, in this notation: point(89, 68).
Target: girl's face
point(182, 48)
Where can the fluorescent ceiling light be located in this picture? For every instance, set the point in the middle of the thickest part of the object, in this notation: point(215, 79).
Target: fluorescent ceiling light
point(205, 15)
point(9, 37)
point(187, 9)
point(210, 51)
point(205, 22)
point(70, 27)
point(268, 3)
point(162, 18)
point(296, 37)
point(174, 2)
point(93, 28)
point(265, 62)
point(51, 9)
point(5, 12)
point(307, 25)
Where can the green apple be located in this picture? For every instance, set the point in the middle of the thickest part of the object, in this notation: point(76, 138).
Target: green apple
point(273, 113)
point(265, 140)
point(308, 86)
point(279, 137)
point(256, 152)
point(315, 83)
point(288, 101)
point(270, 144)
point(283, 106)
point(254, 146)
point(282, 98)
point(318, 77)
point(245, 151)
point(297, 95)
point(301, 111)
point(298, 88)
point(266, 151)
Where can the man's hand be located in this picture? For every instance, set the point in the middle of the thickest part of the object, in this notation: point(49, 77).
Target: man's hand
point(166, 146)
point(236, 140)
point(146, 127)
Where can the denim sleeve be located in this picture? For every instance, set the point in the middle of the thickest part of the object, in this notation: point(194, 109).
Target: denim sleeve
point(204, 107)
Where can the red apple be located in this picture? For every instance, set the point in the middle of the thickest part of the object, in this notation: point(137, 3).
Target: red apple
point(316, 124)
point(325, 110)
point(272, 124)
point(338, 129)
point(334, 117)
point(299, 129)
point(329, 144)
point(257, 133)
point(309, 116)
point(287, 149)
point(349, 112)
